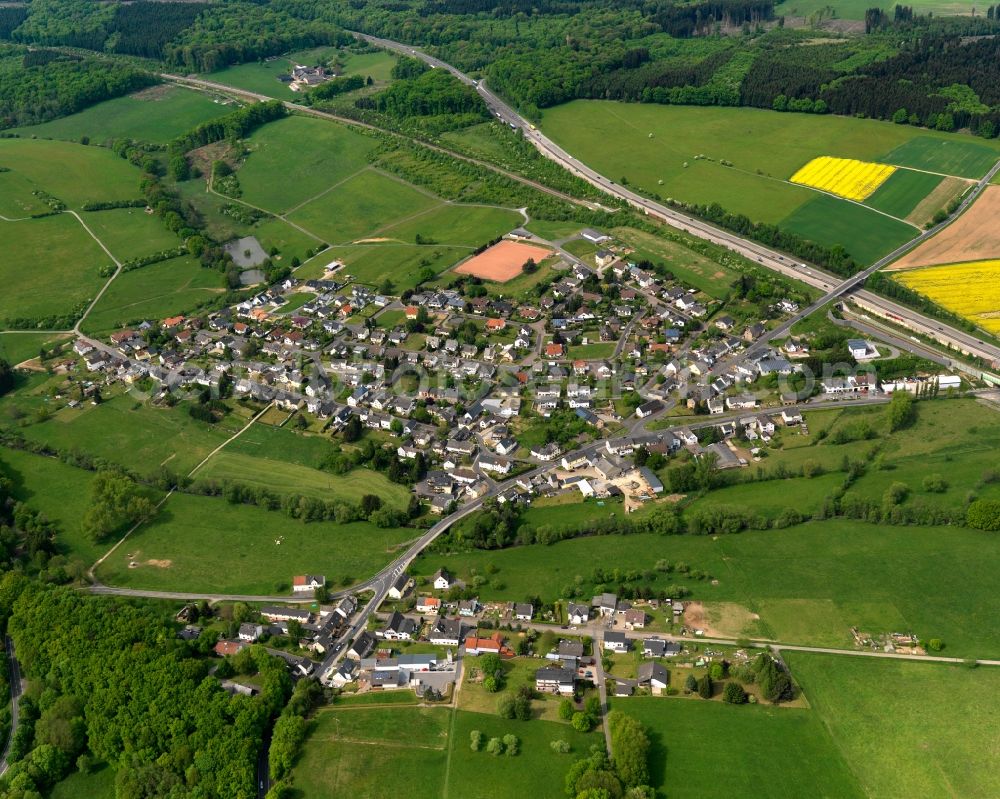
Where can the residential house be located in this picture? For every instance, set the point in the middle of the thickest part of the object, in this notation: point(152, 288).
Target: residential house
point(577, 613)
point(635, 619)
point(523, 611)
point(428, 604)
point(653, 675)
point(616, 642)
point(399, 628)
point(443, 580)
point(555, 680)
point(307, 583)
point(446, 632)
point(401, 586)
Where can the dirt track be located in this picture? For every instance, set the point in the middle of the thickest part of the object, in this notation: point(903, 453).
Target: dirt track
point(974, 236)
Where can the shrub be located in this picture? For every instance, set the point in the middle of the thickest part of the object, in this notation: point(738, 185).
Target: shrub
point(734, 694)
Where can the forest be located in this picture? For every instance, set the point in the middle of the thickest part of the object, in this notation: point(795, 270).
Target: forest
point(43, 85)
point(110, 682)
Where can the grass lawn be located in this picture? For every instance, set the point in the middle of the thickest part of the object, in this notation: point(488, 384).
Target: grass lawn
point(154, 292)
point(908, 729)
point(56, 251)
point(770, 498)
point(296, 301)
point(99, 785)
point(517, 673)
point(17, 347)
point(865, 234)
point(553, 231)
point(288, 478)
point(283, 444)
point(378, 65)
point(537, 770)
point(592, 352)
point(581, 248)
point(346, 751)
point(258, 77)
point(130, 232)
point(701, 749)
point(809, 584)
point(363, 205)
point(903, 191)
point(205, 544)
point(654, 143)
point(695, 270)
point(294, 159)
point(59, 491)
point(73, 173)
point(372, 263)
point(154, 115)
point(133, 434)
point(459, 225)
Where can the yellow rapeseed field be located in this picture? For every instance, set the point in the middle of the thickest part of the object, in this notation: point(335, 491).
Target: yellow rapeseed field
point(845, 177)
point(970, 289)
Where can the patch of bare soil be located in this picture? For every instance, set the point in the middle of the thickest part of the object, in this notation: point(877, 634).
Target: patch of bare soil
point(973, 236)
point(154, 93)
point(720, 619)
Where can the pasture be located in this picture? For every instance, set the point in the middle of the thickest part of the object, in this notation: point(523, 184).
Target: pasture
point(50, 266)
point(934, 731)
point(535, 771)
point(455, 224)
point(782, 752)
point(60, 491)
point(130, 232)
point(372, 263)
point(17, 347)
point(73, 173)
point(155, 115)
point(363, 205)
point(297, 158)
point(286, 478)
point(676, 152)
point(855, 9)
point(808, 584)
point(201, 543)
point(688, 266)
point(134, 434)
point(331, 766)
point(153, 292)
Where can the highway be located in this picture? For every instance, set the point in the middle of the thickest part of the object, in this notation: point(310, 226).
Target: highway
point(832, 286)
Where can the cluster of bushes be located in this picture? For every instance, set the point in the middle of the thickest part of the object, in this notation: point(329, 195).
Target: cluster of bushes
point(309, 509)
point(108, 205)
point(154, 258)
point(508, 745)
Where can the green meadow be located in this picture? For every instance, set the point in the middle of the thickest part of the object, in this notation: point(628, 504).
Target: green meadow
point(297, 158)
point(363, 205)
point(134, 434)
point(154, 115)
point(130, 232)
point(152, 293)
point(50, 266)
point(71, 172)
point(903, 191)
point(907, 729)
point(855, 9)
point(287, 478)
point(703, 273)
point(59, 491)
point(204, 544)
point(863, 233)
point(700, 749)
point(17, 346)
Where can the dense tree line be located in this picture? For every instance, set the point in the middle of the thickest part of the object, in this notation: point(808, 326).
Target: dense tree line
point(59, 86)
point(230, 127)
point(111, 682)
